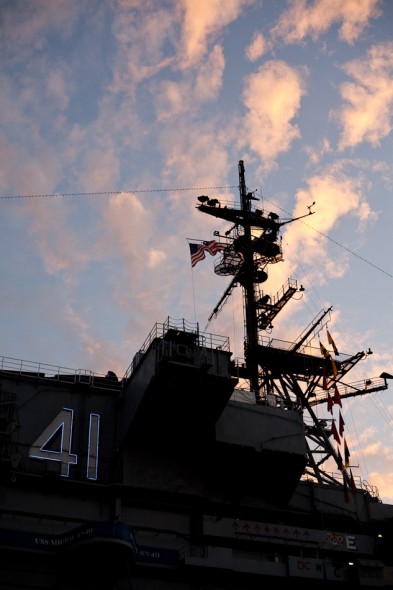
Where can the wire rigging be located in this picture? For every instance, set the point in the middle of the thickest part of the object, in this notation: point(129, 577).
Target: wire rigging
point(334, 241)
point(196, 188)
point(348, 250)
point(110, 193)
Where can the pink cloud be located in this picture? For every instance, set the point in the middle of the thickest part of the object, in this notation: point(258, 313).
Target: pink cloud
point(367, 114)
point(272, 97)
point(303, 19)
point(202, 21)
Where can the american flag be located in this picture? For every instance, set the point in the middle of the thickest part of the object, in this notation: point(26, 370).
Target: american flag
point(197, 251)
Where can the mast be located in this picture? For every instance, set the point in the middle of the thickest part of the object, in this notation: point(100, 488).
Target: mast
point(248, 274)
point(252, 247)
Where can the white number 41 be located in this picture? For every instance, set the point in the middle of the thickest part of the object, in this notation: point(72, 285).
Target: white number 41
point(55, 442)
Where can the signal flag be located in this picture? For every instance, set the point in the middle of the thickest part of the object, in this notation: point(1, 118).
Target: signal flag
point(331, 341)
point(337, 398)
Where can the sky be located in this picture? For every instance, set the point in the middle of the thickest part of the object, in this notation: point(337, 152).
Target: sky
point(116, 115)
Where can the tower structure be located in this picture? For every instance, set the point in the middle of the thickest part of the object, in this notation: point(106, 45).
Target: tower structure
point(282, 373)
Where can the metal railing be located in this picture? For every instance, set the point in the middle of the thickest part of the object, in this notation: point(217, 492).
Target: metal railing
point(57, 373)
point(110, 381)
point(171, 325)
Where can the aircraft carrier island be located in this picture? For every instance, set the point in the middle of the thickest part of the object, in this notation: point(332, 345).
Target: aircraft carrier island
point(194, 470)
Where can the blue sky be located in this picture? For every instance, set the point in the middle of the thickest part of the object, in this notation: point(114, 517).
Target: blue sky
point(145, 105)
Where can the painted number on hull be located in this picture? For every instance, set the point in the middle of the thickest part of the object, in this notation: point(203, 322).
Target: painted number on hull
point(55, 443)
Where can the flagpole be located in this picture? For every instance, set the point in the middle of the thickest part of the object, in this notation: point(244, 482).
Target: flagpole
point(193, 295)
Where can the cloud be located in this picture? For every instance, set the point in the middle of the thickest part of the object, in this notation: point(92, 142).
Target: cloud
point(28, 26)
point(383, 481)
point(100, 168)
point(175, 98)
point(129, 223)
point(373, 449)
point(209, 78)
point(257, 47)
point(177, 38)
point(336, 195)
point(272, 97)
point(59, 244)
point(154, 34)
point(202, 21)
point(183, 146)
point(316, 153)
point(367, 114)
point(57, 89)
point(302, 20)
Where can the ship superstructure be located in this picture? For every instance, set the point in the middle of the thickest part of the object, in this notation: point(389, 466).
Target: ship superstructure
point(174, 477)
point(282, 373)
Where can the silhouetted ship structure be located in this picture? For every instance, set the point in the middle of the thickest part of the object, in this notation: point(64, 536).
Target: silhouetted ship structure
point(193, 471)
